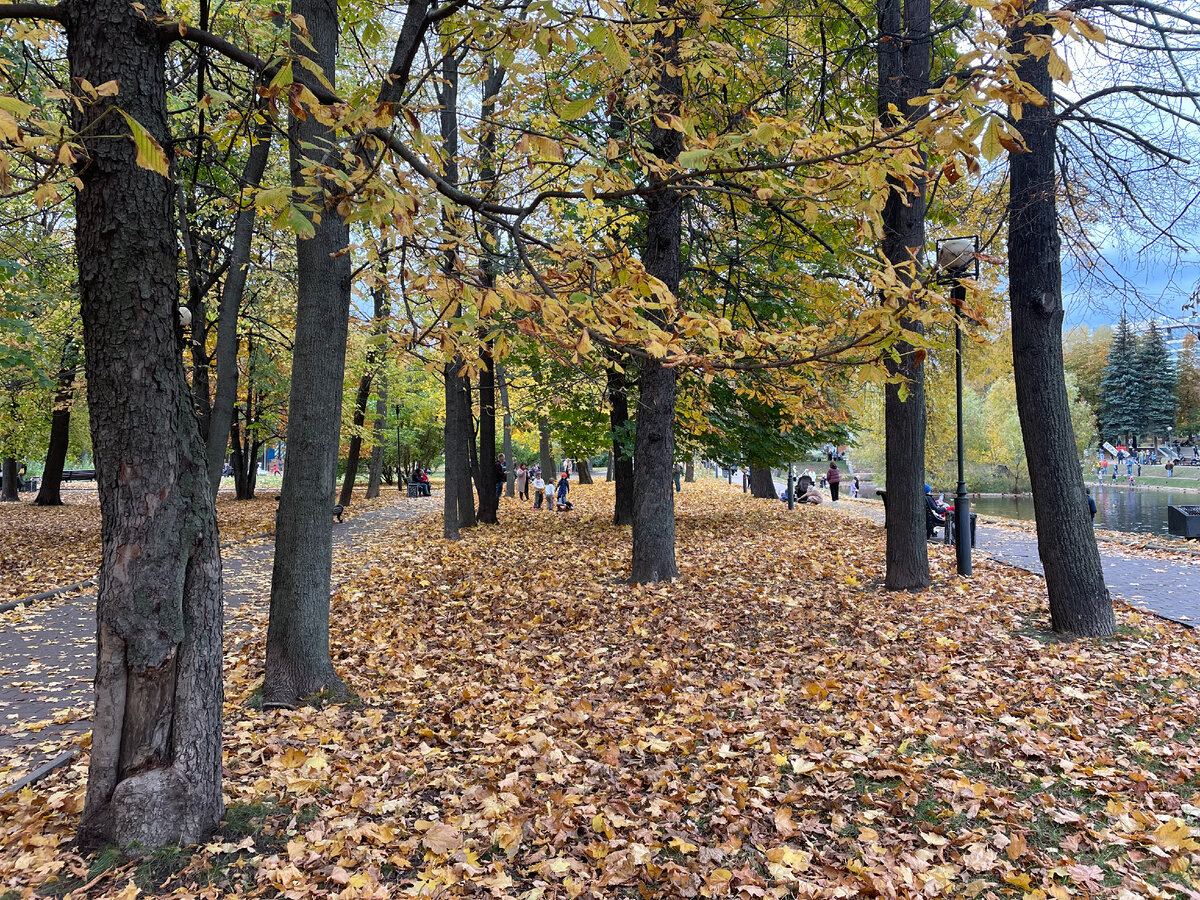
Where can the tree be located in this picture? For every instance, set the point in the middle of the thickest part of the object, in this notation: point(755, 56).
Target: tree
point(654, 451)
point(155, 771)
point(1121, 414)
point(1187, 388)
point(1079, 600)
point(1156, 381)
point(904, 67)
point(1085, 354)
point(298, 661)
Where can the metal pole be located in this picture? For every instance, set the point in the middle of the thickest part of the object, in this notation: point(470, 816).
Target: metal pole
point(791, 486)
point(745, 481)
point(962, 504)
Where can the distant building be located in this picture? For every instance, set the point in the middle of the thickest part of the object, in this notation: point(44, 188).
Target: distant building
point(1173, 332)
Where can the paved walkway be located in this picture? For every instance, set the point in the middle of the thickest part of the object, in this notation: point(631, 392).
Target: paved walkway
point(48, 653)
point(1166, 587)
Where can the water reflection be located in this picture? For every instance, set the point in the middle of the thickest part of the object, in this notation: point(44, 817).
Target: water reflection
point(1117, 508)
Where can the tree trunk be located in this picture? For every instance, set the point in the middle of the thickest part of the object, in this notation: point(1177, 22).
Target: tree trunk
point(155, 771)
point(762, 484)
point(654, 447)
point(545, 458)
point(904, 74)
point(50, 489)
point(355, 449)
point(226, 352)
point(298, 661)
point(488, 501)
point(689, 471)
point(378, 436)
point(584, 466)
point(458, 509)
point(510, 489)
point(608, 470)
point(1079, 601)
point(10, 492)
point(620, 466)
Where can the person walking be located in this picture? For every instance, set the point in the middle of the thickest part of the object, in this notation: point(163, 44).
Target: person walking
point(678, 475)
point(833, 478)
point(539, 490)
point(522, 482)
point(1091, 503)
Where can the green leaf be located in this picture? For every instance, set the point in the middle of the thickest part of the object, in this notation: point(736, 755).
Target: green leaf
point(150, 153)
point(617, 56)
point(694, 159)
point(576, 109)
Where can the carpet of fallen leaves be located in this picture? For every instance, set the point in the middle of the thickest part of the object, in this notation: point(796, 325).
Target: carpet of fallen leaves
point(773, 724)
point(42, 548)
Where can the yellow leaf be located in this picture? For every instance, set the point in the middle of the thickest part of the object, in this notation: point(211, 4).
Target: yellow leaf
point(150, 153)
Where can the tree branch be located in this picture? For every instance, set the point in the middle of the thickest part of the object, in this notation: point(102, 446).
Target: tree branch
point(54, 13)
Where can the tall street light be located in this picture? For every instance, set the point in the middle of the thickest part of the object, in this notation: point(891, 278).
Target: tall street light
point(958, 259)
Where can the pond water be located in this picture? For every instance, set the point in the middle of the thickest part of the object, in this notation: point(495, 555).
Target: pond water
point(1117, 508)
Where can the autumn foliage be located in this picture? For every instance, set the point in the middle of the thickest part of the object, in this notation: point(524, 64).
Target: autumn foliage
point(771, 724)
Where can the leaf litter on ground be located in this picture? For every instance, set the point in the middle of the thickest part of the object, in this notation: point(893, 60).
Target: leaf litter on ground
point(772, 724)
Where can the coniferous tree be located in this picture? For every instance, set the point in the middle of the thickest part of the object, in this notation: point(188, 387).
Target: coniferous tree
point(1120, 402)
point(1155, 387)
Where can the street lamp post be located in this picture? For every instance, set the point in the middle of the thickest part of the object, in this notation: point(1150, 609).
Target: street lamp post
point(791, 486)
point(957, 259)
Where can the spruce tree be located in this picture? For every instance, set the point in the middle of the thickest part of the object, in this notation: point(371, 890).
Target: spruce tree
point(1120, 401)
point(1155, 388)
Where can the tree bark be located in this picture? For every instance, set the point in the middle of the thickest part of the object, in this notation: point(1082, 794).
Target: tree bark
point(378, 436)
point(1079, 600)
point(155, 772)
point(510, 488)
point(10, 492)
point(584, 467)
point(762, 485)
point(298, 660)
point(458, 510)
point(654, 447)
point(488, 501)
point(621, 465)
point(355, 450)
point(50, 489)
point(226, 351)
point(903, 75)
point(689, 471)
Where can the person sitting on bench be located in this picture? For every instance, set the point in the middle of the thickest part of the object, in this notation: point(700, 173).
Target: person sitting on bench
point(935, 513)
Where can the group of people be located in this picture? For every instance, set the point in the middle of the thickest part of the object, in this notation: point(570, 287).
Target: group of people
point(807, 491)
point(550, 495)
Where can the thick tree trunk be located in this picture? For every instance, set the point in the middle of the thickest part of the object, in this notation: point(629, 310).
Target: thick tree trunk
point(155, 772)
point(226, 352)
point(1079, 600)
point(584, 467)
point(608, 470)
point(488, 502)
point(762, 485)
point(50, 489)
point(10, 494)
point(904, 74)
point(510, 489)
point(298, 661)
point(689, 471)
point(621, 465)
point(355, 450)
point(654, 447)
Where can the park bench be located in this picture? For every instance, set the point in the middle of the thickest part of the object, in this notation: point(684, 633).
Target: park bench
point(419, 489)
point(79, 475)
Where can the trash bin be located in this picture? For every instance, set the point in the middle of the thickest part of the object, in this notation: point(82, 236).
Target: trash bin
point(949, 533)
point(414, 489)
point(1184, 521)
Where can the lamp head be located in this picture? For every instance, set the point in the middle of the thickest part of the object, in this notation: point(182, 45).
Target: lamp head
point(956, 256)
